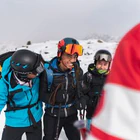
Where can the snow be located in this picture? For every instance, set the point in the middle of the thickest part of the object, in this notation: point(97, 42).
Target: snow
point(48, 50)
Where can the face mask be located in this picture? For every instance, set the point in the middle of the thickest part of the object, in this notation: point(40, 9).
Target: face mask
point(102, 71)
point(22, 77)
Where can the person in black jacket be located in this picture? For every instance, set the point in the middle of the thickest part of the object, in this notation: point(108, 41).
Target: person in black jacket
point(94, 79)
point(60, 89)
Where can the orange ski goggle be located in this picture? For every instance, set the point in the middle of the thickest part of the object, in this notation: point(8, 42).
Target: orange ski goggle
point(74, 48)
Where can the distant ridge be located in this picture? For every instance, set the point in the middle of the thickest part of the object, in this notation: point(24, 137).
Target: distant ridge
point(104, 37)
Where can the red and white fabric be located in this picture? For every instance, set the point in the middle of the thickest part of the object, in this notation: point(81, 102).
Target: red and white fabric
point(118, 114)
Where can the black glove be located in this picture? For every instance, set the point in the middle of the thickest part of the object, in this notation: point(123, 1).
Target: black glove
point(93, 101)
point(81, 103)
point(92, 94)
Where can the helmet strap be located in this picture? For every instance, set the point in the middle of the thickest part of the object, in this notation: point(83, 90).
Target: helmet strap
point(22, 77)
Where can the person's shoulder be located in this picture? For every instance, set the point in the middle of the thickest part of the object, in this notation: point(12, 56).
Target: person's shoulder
point(47, 64)
point(50, 63)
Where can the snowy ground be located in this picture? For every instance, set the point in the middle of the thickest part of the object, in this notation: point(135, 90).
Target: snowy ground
point(48, 50)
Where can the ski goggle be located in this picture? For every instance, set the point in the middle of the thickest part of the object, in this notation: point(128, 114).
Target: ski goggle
point(39, 69)
point(74, 48)
point(103, 57)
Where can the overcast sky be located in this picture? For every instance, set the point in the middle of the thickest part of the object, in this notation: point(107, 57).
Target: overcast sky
point(41, 20)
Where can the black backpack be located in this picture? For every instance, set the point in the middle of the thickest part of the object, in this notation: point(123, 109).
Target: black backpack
point(3, 57)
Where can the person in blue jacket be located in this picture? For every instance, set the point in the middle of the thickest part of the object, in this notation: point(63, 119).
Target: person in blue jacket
point(19, 90)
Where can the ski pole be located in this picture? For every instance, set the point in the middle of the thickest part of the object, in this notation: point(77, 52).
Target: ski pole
point(84, 112)
point(81, 115)
point(58, 122)
point(80, 125)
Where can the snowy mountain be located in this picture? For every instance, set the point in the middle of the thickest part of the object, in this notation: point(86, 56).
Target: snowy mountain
point(48, 50)
point(104, 37)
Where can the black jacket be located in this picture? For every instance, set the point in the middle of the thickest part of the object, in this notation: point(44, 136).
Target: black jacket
point(92, 86)
point(63, 89)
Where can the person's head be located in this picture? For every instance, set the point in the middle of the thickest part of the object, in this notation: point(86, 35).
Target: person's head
point(102, 60)
point(68, 51)
point(26, 64)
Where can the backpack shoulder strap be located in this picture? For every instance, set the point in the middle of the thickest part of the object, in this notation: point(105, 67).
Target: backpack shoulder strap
point(4, 56)
point(49, 72)
point(74, 76)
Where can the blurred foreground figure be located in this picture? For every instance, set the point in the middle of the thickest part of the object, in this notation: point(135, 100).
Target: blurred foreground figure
point(118, 113)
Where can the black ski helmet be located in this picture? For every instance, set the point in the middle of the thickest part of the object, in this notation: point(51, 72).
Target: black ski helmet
point(24, 62)
point(102, 55)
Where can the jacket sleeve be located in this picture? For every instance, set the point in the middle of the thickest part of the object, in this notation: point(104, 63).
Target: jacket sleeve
point(79, 82)
point(82, 98)
point(80, 88)
point(3, 94)
point(86, 82)
point(44, 95)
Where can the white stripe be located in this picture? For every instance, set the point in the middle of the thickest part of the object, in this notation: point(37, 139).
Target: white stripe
point(90, 137)
point(120, 115)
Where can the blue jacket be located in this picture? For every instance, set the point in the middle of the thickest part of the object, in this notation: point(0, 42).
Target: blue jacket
point(19, 118)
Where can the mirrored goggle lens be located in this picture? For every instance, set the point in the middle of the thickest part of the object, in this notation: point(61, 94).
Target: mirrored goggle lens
point(103, 57)
point(74, 48)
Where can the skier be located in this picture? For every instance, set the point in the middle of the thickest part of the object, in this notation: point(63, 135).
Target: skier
point(94, 79)
point(65, 96)
point(118, 113)
point(20, 91)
